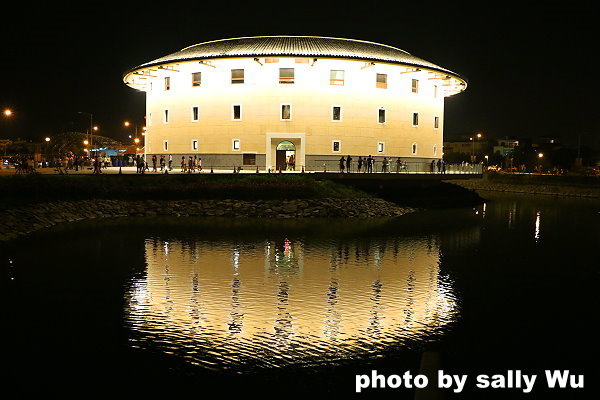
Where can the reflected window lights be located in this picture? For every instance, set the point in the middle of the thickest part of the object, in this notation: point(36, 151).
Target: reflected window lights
point(537, 226)
point(236, 258)
point(192, 307)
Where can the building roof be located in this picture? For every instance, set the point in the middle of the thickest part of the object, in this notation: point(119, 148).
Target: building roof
point(295, 46)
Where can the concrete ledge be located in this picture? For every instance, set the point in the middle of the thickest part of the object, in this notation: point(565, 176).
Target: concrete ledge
point(529, 188)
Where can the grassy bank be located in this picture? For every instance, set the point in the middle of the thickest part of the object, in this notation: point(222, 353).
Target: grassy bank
point(25, 189)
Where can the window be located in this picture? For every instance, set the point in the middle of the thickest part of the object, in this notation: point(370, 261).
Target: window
point(380, 147)
point(237, 76)
point(415, 119)
point(195, 113)
point(194, 144)
point(286, 112)
point(167, 83)
point(249, 158)
point(436, 122)
point(415, 86)
point(435, 150)
point(286, 75)
point(196, 78)
point(381, 116)
point(271, 60)
point(336, 114)
point(381, 81)
point(166, 120)
point(414, 149)
point(336, 146)
point(336, 77)
point(435, 90)
point(302, 60)
point(235, 144)
point(237, 112)
point(166, 145)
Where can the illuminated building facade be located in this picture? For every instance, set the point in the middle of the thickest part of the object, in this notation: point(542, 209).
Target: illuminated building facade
point(259, 101)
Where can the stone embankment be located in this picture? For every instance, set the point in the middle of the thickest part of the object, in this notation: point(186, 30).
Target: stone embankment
point(529, 188)
point(23, 220)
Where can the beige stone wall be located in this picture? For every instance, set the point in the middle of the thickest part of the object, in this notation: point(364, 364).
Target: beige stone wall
point(312, 98)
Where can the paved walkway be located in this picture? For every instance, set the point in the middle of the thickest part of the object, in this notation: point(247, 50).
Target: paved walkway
point(177, 171)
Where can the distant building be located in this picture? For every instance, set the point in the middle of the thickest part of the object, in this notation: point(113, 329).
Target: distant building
point(505, 146)
point(259, 101)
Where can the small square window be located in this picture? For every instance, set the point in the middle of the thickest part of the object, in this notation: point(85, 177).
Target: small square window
point(235, 144)
point(166, 145)
point(336, 146)
point(195, 144)
point(415, 86)
point(286, 75)
point(435, 91)
point(195, 113)
point(237, 112)
point(381, 81)
point(286, 112)
point(166, 120)
point(414, 149)
point(336, 113)
point(380, 147)
point(381, 116)
point(415, 119)
point(167, 83)
point(336, 77)
point(196, 78)
point(436, 122)
point(237, 76)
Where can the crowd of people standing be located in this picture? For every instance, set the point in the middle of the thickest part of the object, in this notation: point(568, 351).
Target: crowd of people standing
point(367, 165)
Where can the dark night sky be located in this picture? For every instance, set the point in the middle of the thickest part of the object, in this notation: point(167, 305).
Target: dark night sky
point(531, 70)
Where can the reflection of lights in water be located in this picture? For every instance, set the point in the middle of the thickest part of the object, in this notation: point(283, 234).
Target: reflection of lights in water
point(287, 248)
point(266, 313)
point(236, 258)
point(537, 226)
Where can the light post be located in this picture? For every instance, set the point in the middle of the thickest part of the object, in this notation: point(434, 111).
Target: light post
point(540, 156)
point(7, 113)
point(473, 158)
point(91, 126)
point(47, 140)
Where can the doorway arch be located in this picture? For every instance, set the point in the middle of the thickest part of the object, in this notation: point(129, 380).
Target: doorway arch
point(285, 156)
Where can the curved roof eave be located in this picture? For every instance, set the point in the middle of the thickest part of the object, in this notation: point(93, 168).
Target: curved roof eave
point(295, 46)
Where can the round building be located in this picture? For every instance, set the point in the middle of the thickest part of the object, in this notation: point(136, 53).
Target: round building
point(293, 102)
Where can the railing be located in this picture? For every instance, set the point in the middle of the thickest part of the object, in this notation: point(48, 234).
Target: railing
point(393, 167)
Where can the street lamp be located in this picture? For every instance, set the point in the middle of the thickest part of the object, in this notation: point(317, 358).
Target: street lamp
point(473, 158)
point(92, 127)
point(7, 113)
point(47, 139)
point(540, 155)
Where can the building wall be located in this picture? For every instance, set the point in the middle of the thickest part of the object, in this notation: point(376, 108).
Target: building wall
point(312, 98)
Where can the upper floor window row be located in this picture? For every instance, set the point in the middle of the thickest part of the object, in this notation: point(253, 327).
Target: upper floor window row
point(287, 76)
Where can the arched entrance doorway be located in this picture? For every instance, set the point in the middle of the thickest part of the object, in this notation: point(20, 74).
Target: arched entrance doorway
point(285, 156)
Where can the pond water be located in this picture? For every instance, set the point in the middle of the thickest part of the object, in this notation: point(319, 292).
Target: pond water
point(187, 305)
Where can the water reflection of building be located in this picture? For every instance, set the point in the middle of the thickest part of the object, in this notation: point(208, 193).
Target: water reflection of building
point(280, 302)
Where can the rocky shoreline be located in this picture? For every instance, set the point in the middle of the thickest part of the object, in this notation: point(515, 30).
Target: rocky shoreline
point(27, 219)
point(529, 188)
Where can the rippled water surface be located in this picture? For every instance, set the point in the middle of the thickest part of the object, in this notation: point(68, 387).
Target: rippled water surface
point(269, 303)
point(510, 284)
